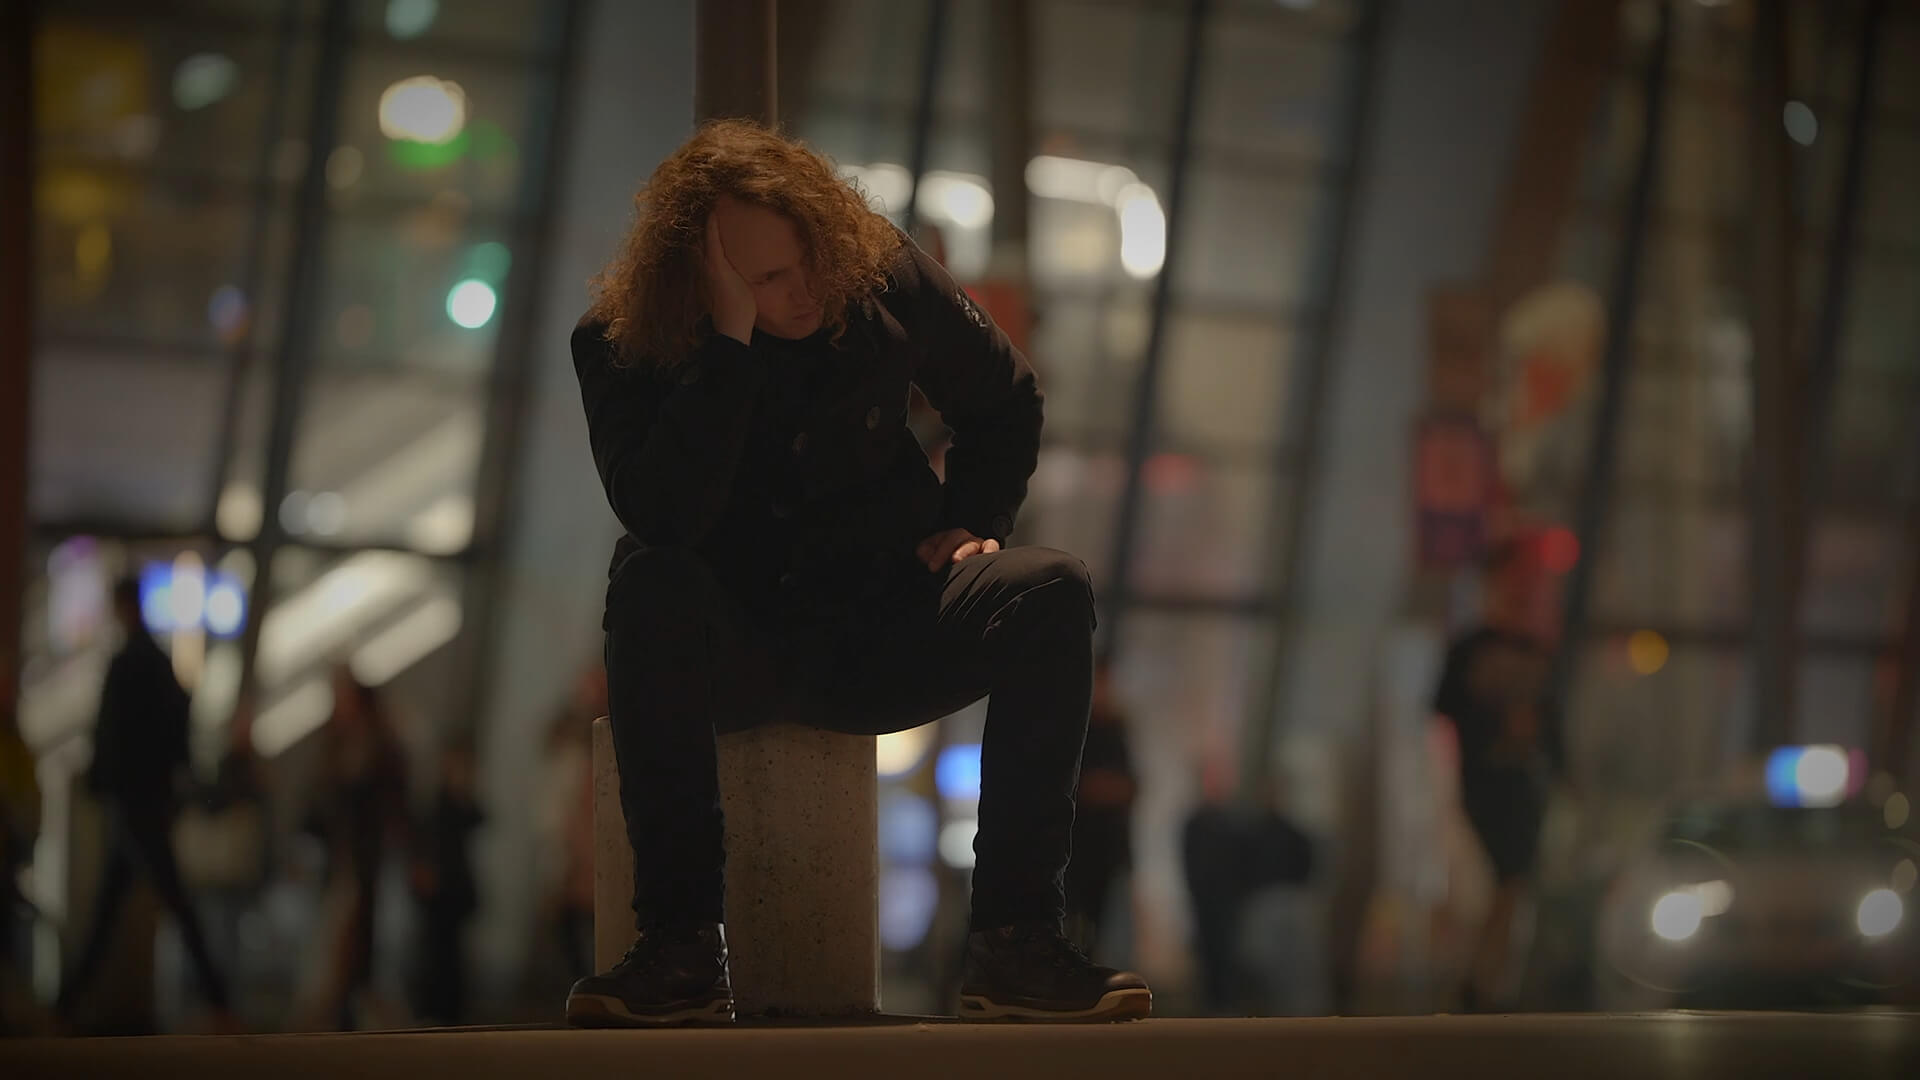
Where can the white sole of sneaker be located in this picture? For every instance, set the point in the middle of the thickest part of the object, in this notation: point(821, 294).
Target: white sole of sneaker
point(1115, 1005)
point(601, 1010)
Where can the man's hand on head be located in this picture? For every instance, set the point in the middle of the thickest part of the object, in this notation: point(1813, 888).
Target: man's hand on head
point(952, 546)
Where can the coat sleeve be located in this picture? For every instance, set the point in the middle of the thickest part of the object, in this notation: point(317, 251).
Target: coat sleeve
point(667, 453)
point(985, 390)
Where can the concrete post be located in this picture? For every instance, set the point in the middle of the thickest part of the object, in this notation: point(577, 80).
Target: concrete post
point(802, 869)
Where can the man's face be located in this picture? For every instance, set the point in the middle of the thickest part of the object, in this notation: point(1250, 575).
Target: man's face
point(765, 249)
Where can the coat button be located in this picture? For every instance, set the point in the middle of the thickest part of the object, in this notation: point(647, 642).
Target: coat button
point(786, 580)
point(873, 418)
point(691, 375)
point(782, 510)
point(800, 443)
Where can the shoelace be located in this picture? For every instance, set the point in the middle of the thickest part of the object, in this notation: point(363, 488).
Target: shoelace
point(647, 945)
point(1059, 950)
point(640, 947)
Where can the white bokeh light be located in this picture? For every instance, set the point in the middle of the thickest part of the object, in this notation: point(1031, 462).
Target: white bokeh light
point(187, 599)
point(1821, 776)
point(1677, 915)
point(327, 513)
point(423, 109)
point(224, 609)
point(956, 843)
point(471, 303)
point(957, 198)
point(1143, 231)
point(1879, 913)
point(1715, 897)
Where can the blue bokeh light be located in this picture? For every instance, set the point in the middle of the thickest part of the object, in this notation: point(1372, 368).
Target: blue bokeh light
point(957, 772)
point(1783, 784)
point(909, 896)
point(909, 829)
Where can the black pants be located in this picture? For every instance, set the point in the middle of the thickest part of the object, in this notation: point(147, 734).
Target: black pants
point(1505, 808)
point(684, 661)
point(139, 839)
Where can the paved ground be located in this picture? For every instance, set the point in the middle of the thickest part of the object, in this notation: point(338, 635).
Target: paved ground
point(1690, 1045)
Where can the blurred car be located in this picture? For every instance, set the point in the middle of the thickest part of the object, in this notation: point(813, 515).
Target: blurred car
point(1760, 903)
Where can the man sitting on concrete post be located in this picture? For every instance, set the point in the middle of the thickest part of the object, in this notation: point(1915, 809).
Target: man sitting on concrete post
point(789, 552)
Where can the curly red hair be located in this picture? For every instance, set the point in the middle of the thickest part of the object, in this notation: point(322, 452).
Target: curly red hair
point(654, 295)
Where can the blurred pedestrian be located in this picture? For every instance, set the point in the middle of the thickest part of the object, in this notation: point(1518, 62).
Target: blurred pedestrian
point(361, 814)
point(565, 821)
point(1232, 849)
point(139, 764)
point(19, 827)
point(1493, 691)
point(446, 889)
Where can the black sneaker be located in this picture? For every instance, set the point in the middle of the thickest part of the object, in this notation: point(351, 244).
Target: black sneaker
point(669, 976)
point(1032, 972)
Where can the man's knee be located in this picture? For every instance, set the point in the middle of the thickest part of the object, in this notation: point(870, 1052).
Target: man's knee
point(661, 585)
point(1056, 580)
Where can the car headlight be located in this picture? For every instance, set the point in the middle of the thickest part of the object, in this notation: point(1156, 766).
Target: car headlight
point(1879, 913)
point(1677, 915)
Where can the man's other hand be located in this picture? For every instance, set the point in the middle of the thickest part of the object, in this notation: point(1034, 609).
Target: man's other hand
point(952, 546)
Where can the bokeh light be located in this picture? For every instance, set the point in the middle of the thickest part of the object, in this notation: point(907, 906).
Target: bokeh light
point(408, 19)
point(1143, 231)
point(1879, 913)
point(956, 843)
point(1802, 126)
point(327, 513)
point(909, 828)
point(187, 594)
point(203, 79)
point(957, 772)
point(227, 312)
point(1647, 651)
point(962, 200)
point(1559, 549)
point(1715, 897)
point(239, 512)
point(1896, 810)
point(471, 303)
point(423, 109)
point(226, 609)
point(489, 262)
point(909, 897)
point(1821, 775)
point(344, 166)
point(1677, 915)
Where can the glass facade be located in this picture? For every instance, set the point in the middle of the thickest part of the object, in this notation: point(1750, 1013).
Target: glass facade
point(1676, 550)
point(172, 147)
